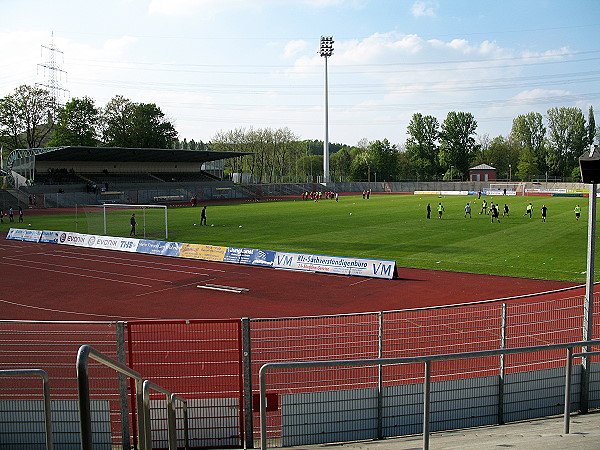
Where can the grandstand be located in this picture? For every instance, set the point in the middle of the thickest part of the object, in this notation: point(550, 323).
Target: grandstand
point(88, 175)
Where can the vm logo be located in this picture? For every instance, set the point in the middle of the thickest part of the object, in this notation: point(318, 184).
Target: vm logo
point(382, 269)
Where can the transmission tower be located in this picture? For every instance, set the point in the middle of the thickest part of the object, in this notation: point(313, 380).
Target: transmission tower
point(53, 72)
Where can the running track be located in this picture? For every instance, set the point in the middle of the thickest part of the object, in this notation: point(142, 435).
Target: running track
point(59, 282)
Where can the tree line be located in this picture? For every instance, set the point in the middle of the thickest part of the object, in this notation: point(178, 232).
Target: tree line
point(536, 147)
point(30, 117)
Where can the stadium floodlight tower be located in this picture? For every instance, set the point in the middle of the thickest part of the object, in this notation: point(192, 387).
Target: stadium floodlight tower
point(326, 50)
point(589, 165)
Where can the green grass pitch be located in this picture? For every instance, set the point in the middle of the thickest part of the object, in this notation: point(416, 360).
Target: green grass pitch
point(394, 227)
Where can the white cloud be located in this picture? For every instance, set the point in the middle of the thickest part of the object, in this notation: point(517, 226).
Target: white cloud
point(554, 54)
point(293, 48)
point(424, 8)
point(186, 7)
point(212, 7)
point(534, 95)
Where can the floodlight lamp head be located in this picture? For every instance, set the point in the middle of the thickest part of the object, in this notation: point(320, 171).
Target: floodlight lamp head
point(589, 165)
point(326, 48)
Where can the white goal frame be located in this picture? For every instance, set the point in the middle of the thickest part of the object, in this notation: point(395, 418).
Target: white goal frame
point(517, 187)
point(131, 207)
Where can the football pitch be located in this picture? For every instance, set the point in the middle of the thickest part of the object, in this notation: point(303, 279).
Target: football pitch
point(393, 227)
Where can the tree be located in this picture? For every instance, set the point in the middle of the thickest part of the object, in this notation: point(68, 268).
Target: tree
point(591, 128)
point(77, 124)
point(116, 122)
point(421, 145)
point(457, 144)
point(26, 116)
point(378, 162)
point(500, 152)
point(361, 166)
point(150, 128)
point(567, 137)
point(528, 131)
point(136, 125)
point(528, 166)
point(340, 163)
point(385, 160)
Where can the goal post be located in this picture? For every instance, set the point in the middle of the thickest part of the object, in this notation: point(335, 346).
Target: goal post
point(509, 188)
point(113, 219)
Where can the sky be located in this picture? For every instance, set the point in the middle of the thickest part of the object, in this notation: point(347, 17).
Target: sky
point(218, 65)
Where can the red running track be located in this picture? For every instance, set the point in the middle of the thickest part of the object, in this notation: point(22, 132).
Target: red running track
point(58, 282)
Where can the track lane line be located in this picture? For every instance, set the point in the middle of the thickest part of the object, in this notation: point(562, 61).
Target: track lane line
point(78, 274)
point(97, 270)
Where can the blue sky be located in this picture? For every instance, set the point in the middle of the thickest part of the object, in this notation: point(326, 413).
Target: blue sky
point(218, 65)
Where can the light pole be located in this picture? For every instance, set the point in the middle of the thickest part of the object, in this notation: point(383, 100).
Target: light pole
point(509, 173)
point(326, 50)
point(589, 165)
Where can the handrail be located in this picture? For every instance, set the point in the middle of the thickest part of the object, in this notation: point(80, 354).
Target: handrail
point(171, 417)
point(568, 373)
point(401, 360)
point(83, 386)
point(46, 388)
point(142, 391)
point(186, 433)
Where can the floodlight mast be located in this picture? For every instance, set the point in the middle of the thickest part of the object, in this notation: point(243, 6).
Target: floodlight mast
point(326, 50)
point(589, 165)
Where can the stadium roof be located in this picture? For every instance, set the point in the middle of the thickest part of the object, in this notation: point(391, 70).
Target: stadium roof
point(119, 154)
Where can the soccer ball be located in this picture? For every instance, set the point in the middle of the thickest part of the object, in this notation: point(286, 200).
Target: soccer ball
point(240, 226)
point(350, 213)
point(194, 224)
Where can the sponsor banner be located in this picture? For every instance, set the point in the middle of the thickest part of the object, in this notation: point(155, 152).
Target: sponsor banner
point(250, 256)
point(547, 191)
point(257, 257)
point(202, 251)
point(441, 193)
point(15, 234)
point(20, 234)
point(31, 235)
point(173, 249)
point(375, 268)
point(500, 192)
point(233, 255)
point(50, 236)
point(112, 243)
point(158, 247)
point(454, 192)
point(70, 238)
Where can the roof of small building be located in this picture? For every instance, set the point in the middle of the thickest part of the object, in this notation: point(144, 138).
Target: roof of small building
point(482, 167)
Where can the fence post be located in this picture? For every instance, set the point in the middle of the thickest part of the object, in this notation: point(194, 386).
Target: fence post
point(123, 395)
point(380, 381)
point(426, 404)
point(568, 372)
point(247, 364)
point(502, 368)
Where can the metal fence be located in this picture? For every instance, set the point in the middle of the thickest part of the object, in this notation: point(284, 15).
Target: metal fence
point(215, 365)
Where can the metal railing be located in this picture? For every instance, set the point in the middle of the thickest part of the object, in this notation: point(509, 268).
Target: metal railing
point(46, 388)
point(427, 360)
point(171, 416)
point(568, 376)
point(142, 388)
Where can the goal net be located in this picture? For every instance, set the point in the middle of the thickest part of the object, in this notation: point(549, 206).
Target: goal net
point(113, 219)
point(506, 189)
